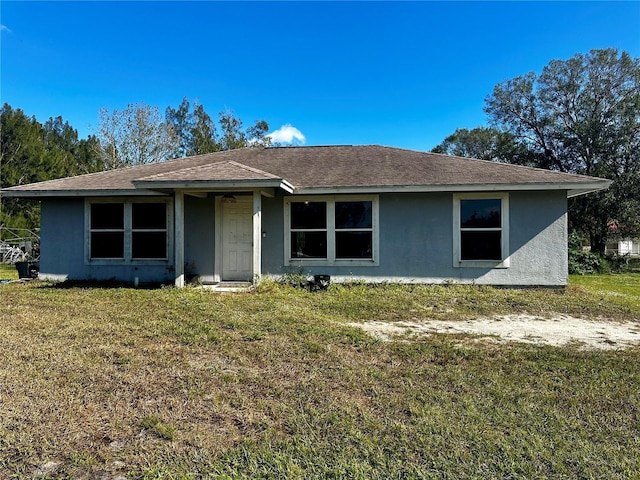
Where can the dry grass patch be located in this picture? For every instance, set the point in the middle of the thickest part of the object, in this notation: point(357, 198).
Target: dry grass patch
point(100, 382)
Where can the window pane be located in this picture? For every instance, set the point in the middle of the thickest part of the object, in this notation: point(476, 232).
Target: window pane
point(354, 245)
point(148, 245)
point(480, 245)
point(482, 213)
point(149, 215)
point(107, 245)
point(308, 244)
point(107, 216)
point(308, 215)
point(353, 215)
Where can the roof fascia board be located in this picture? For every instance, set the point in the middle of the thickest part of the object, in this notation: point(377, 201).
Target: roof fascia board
point(205, 184)
point(286, 186)
point(213, 185)
point(78, 193)
point(576, 192)
point(574, 188)
point(161, 188)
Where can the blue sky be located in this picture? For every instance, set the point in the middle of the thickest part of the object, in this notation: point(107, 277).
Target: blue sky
point(403, 74)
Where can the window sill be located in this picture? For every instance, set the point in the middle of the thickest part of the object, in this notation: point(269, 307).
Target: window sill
point(122, 262)
point(482, 263)
point(316, 262)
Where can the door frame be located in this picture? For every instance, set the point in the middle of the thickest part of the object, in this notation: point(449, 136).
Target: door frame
point(257, 237)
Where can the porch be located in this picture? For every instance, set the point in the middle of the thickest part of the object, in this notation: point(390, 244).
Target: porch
point(218, 238)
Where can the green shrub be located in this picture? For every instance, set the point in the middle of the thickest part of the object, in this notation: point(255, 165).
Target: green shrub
point(621, 263)
point(582, 262)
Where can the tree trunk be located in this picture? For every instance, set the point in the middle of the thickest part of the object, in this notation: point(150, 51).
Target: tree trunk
point(598, 243)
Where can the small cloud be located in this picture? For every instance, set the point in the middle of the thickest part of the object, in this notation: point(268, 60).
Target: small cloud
point(287, 134)
point(4, 28)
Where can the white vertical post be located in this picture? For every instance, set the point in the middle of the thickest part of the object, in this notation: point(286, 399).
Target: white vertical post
point(178, 226)
point(257, 235)
point(217, 249)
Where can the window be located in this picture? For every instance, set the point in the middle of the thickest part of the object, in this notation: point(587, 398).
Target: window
point(308, 230)
point(120, 232)
point(331, 230)
point(107, 230)
point(481, 230)
point(148, 230)
point(354, 229)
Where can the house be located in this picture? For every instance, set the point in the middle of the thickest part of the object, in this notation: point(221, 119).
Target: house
point(624, 247)
point(370, 213)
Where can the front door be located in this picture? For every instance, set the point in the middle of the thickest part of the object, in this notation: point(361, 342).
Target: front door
point(237, 240)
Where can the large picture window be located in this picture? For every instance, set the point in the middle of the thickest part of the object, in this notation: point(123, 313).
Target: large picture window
point(127, 231)
point(331, 230)
point(481, 230)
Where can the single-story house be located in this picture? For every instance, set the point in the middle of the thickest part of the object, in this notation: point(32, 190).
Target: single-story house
point(367, 213)
point(624, 247)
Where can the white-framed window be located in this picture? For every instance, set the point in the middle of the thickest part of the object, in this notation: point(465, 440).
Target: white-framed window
point(481, 230)
point(122, 231)
point(331, 230)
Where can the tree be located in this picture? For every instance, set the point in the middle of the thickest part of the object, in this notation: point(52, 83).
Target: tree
point(581, 115)
point(233, 136)
point(257, 134)
point(87, 155)
point(21, 154)
point(485, 143)
point(32, 152)
point(135, 136)
point(21, 147)
point(198, 134)
point(180, 120)
point(65, 154)
point(202, 133)
point(195, 129)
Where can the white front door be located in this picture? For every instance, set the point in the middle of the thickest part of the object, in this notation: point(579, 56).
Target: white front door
point(237, 240)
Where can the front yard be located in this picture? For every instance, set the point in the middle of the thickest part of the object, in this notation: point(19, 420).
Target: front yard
point(108, 382)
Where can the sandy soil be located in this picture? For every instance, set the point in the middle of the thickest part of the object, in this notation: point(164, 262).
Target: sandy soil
point(559, 330)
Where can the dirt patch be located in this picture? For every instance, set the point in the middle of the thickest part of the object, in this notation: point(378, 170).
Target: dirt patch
point(558, 330)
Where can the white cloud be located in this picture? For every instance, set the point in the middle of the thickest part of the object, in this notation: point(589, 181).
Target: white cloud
point(4, 28)
point(287, 134)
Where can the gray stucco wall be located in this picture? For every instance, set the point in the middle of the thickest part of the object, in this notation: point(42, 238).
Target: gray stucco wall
point(199, 238)
point(62, 249)
point(62, 239)
point(416, 242)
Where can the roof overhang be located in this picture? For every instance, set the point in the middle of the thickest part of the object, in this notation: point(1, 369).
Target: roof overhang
point(573, 189)
point(157, 187)
point(213, 185)
point(145, 188)
point(28, 193)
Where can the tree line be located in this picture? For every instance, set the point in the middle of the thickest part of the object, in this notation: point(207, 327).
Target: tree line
point(33, 152)
point(580, 115)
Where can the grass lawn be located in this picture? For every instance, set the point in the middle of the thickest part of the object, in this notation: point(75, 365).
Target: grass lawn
point(168, 383)
point(8, 272)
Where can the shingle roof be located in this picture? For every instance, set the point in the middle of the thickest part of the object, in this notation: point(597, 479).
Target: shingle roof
point(308, 169)
point(220, 171)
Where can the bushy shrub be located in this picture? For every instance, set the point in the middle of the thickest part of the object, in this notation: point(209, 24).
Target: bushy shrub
point(584, 263)
point(581, 262)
